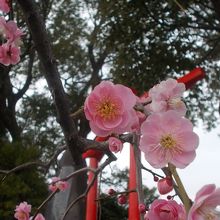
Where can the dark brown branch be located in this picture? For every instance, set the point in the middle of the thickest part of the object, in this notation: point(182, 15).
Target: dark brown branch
point(43, 48)
point(27, 83)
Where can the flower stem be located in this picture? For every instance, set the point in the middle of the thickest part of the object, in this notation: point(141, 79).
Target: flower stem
point(181, 190)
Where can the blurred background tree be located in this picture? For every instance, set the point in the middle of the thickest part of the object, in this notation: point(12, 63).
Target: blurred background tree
point(137, 43)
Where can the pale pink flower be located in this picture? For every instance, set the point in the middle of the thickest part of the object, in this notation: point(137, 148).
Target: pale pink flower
point(4, 6)
point(22, 211)
point(109, 109)
point(10, 31)
point(115, 145)
point(58, 184)
point(167, 96)
point(162, 209)
point(165, 185)
point(9, 54)
point(168, 138)
point(204, 206)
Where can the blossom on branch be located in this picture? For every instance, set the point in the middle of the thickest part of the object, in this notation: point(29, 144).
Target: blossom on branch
point(115, 145)
point(167, 96)
point(58, 184)
point(168, 138)
point(22, 211)
point(9, 54)
point(206, 201)
point(162, 209)
point(109, 109)
point(10, 31)
point(165, 185)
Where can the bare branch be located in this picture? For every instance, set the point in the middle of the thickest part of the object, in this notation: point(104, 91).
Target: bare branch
point(46, 166)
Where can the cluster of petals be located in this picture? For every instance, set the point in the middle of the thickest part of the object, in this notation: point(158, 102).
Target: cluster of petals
point(162, 209)
point(167, 96)
point(110, 109)
point(165, 185)
point(22, 211)
point(10, 51)
point(4, 6)
point(205, 204)
point(58, 184)
point(168, 138)
point(115, 145)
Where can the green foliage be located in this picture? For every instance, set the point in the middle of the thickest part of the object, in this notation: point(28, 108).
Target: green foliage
point(24, 185)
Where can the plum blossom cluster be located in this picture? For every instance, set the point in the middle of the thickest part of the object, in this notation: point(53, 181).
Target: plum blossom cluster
point(11, 38)
point(23, 210)
point(58, 184)
point(166, 139)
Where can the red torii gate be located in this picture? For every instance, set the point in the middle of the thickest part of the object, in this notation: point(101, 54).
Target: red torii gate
point(95, 156)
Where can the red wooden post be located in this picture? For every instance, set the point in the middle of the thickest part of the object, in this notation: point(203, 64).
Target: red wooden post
point(91, 204)
point(133, 211)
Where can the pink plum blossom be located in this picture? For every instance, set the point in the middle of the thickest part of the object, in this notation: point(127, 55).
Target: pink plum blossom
point(10, 31)
point(58, 184)
point(168, 138)
point(162, 209)
point(165, 185)
point(4, 6)
point(9, 54)
point(109, 109)
point(22, 211)
point(206, 201)
point(115, 145)
point(167, 96)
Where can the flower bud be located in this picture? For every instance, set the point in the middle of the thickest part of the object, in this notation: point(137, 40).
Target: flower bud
point(165, 185)
point(142, 208)
point(122, 199)
point(115, 145)
point(111, 192)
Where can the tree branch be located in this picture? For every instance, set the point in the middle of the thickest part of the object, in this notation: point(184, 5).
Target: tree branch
point(44, 50)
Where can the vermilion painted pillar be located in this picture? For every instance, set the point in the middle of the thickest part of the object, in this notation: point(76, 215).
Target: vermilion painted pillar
point(91, 205)
point(133, 211)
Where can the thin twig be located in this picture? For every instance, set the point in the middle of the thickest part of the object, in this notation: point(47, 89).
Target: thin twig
point(45, 202)
point(31, 164)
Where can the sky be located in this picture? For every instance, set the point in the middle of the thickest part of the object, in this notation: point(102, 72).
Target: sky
point(203, 170)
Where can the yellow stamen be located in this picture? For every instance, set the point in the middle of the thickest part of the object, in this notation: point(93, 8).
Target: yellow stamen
point(107, 109)
point(167, 141)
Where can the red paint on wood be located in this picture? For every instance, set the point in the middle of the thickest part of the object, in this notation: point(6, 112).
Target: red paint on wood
point(133, 211)
point(91, 204)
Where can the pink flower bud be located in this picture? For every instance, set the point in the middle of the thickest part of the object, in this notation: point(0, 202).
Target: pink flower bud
point(165, 185)
point(115, 145)
point(111, 192)
point(122, 199)
point(142, 208)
